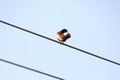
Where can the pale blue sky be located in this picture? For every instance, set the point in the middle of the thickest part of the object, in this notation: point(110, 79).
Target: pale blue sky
point(93, 24)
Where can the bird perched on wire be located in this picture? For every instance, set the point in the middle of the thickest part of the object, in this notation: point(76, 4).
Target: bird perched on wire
point(63, 35)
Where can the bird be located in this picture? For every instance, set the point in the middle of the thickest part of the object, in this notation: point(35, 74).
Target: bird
point(63, 35)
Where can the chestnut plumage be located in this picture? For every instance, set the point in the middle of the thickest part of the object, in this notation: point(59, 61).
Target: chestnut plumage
point(61, 35)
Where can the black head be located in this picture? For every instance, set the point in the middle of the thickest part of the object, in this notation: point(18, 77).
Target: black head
point(64, 30)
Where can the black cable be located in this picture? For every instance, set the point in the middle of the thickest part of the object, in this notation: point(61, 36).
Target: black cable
point(60, 43)
point(6, 61)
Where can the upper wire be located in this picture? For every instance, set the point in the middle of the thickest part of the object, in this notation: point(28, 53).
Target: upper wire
point(89, 53)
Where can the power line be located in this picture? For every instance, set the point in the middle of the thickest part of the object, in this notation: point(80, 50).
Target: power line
point(6, 61)
point(108, 60)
